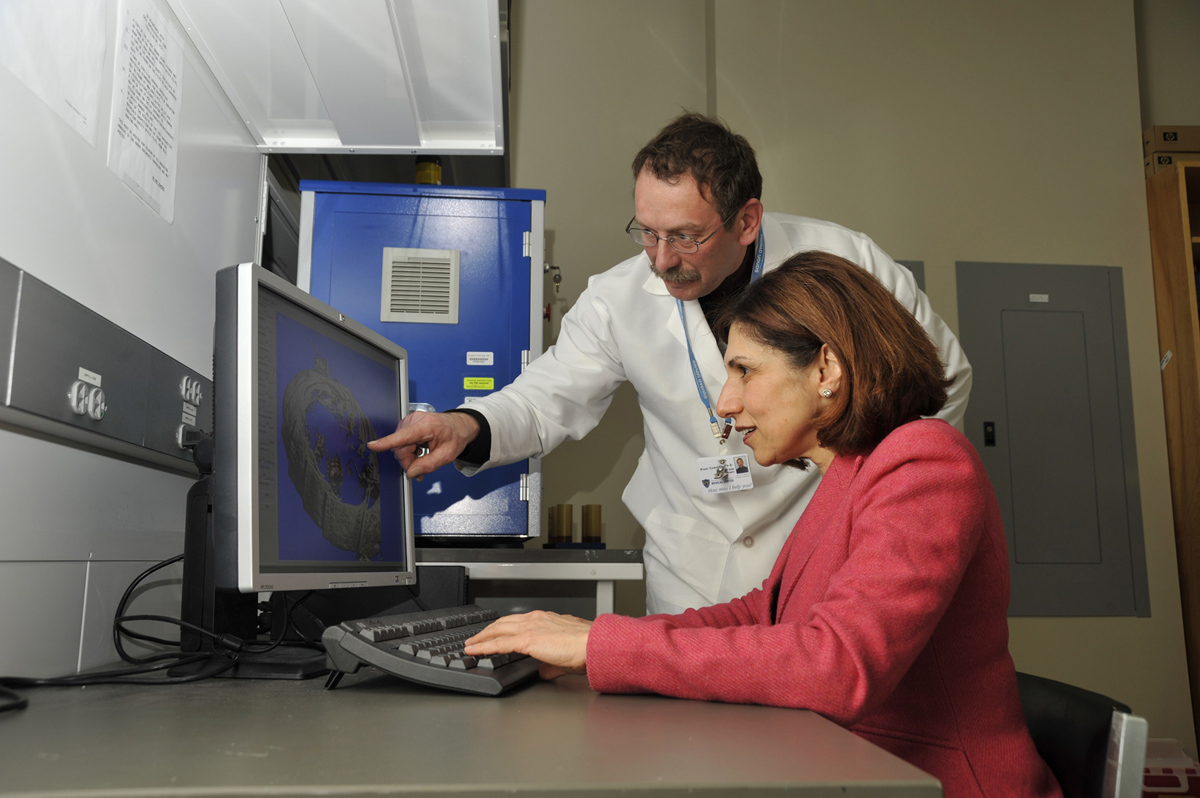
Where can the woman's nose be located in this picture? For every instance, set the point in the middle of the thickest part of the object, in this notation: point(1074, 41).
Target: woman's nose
point(727, 403)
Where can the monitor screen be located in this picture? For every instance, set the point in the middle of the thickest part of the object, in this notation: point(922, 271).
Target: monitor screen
point(299, 501)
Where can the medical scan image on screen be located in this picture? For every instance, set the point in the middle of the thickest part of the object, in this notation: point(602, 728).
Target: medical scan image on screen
point(325, 434)
point(335, 496)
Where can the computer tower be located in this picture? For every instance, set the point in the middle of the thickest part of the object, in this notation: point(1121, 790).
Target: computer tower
point(454, 275)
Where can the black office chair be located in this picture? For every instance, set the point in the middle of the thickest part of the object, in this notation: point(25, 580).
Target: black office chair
point(1094, 745)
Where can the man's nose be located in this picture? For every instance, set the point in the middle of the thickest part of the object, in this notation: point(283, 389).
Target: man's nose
point(665, 257)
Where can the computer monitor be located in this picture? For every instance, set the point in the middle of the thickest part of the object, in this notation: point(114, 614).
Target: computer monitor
point(296, 501)
point(299, 501)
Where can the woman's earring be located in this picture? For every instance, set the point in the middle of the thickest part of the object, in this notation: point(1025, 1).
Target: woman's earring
point(826, 393)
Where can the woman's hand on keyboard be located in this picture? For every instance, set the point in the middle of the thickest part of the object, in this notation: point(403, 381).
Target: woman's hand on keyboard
point(559, 641)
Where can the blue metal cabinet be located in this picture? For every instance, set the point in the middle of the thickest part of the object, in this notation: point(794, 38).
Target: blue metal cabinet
point(480, 345)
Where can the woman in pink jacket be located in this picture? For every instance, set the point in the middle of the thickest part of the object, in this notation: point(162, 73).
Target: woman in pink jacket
point(886, 610)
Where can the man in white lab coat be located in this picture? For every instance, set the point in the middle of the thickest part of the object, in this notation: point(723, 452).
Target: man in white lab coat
point(712, 533)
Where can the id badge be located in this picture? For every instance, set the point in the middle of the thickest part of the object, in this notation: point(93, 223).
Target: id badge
point(725, 474)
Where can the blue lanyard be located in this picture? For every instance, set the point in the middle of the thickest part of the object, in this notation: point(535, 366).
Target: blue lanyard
point(721, 433)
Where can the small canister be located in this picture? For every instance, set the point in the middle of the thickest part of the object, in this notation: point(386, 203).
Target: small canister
point(429, 170)
point(590, 524)
point(566, 523)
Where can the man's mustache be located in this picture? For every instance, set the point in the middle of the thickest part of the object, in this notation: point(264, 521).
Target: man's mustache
point(675, 274)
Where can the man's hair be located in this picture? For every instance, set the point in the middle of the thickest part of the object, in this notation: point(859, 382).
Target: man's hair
point(891, 371)
point(720, 161)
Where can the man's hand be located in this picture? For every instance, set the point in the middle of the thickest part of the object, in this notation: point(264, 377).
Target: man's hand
point(559, 641)
point(444, 434)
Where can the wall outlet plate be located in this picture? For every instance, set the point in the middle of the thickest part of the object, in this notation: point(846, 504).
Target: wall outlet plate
point(73, 375)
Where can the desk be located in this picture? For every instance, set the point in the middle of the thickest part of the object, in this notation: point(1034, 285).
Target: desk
point(377, 736)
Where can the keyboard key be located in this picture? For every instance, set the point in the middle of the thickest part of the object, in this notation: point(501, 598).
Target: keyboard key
point(379, 634)
point(500, 660)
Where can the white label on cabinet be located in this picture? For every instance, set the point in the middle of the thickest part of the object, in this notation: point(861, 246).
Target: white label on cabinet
point(481, 358)
point(1039, 297)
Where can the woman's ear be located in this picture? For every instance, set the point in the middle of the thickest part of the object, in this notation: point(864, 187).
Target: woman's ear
point(830, 368)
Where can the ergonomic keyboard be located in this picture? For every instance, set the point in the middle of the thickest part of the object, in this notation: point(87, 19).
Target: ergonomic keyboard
point(426, 647)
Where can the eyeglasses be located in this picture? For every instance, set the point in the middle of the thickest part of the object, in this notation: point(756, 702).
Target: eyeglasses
point(679, 243)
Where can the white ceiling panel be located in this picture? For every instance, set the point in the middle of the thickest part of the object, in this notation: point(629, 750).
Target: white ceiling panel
point(368, 76)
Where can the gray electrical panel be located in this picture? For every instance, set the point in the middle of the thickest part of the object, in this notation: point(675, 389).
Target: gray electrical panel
point(1051, 413)
point(72, 374)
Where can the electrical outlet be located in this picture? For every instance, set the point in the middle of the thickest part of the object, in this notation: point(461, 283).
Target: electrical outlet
point(76, 376)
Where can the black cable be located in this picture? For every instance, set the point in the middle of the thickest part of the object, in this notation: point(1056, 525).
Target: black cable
point(316, 645)
point(124, 676)
point(119, 617)
point(231, 650)
point(220, 664)
point(231, 644)
point(13, 701)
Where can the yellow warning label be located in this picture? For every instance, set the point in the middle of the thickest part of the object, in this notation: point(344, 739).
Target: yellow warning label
point(479, 384)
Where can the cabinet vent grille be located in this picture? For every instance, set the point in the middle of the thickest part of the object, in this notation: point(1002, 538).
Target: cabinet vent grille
point(420, 286)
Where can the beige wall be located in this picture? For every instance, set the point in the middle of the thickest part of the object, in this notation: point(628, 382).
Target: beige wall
point(1169, 61)
point(591, 83)
point(1002, 131)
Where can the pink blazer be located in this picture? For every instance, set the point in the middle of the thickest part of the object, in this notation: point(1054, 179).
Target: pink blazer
point(886, 612)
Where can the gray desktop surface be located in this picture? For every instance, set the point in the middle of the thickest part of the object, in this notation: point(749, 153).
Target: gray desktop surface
point(377, 736)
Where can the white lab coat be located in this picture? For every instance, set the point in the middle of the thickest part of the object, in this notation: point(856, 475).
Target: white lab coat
point(700, 549)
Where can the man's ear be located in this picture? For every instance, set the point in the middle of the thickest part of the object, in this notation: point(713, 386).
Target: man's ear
point(751, 216)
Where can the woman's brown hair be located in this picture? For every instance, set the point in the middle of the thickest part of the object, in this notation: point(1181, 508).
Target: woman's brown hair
point(891, 371)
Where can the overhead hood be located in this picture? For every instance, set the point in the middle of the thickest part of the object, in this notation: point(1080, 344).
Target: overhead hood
point(364, 76)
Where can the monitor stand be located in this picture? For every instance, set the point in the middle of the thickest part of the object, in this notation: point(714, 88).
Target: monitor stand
point(222, 611)
point(230, 612)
